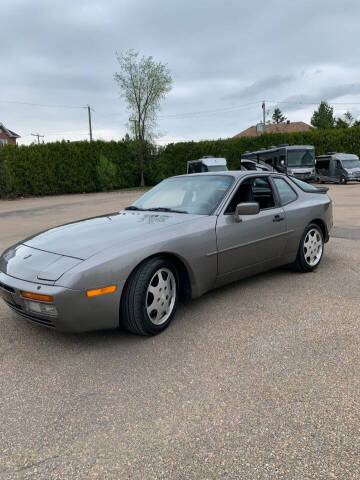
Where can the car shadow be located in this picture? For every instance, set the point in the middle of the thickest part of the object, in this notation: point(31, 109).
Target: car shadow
point(181, 327)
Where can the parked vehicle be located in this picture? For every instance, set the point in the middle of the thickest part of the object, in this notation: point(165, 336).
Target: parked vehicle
point(252, 165)
point(187, 235)
point(207, 164)
point(338, 168)
point(296, 160)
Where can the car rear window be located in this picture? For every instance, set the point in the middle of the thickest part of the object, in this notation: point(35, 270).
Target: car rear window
point(304, 186)
point(286, 193)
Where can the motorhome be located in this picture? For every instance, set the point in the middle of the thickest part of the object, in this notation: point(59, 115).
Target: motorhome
point(295, 160)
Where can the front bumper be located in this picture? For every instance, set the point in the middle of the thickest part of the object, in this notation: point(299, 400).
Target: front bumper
point(76, 311)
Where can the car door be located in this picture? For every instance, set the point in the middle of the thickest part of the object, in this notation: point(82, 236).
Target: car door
point(332, 170)
point(255, 241)
point(339, 171)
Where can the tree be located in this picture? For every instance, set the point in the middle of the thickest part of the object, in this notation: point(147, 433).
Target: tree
point(340, 123)
point(356, 123)
point(323, 117)
point(277, 116)
point(143, 83)
point(349, 119)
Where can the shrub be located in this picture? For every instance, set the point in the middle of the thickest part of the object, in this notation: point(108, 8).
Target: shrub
point(60, 167)
point(56, 168)
point(106, 174)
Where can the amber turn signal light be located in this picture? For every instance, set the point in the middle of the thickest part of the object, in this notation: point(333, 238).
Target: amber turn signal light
point(100, 291)
point(37, 296)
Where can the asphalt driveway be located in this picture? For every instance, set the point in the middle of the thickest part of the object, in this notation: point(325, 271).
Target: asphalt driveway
point(257, 380)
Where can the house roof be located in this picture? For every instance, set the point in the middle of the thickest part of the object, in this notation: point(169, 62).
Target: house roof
point(276, 128)
point(8, 132)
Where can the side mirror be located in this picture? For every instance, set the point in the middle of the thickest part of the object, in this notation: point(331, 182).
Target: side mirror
point(246, 208)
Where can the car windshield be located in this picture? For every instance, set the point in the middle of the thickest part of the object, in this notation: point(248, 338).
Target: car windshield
point(300, 158)
point(351, 163)
point(198, 194)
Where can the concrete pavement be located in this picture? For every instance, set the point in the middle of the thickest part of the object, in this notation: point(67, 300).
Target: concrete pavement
point(257, 380)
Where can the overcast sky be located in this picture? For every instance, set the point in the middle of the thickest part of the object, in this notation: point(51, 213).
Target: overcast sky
point(225, 58)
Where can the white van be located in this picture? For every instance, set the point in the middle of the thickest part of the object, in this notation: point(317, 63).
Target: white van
point(207, 164)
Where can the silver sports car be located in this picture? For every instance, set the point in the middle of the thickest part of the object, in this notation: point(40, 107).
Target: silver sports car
point(182, 238)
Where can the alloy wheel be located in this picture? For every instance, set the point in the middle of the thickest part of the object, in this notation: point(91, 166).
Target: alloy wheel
point(161, 296)
point(313, 247)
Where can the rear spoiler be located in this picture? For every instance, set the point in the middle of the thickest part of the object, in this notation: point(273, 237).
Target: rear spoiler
point(320, 190)
point(307, 188)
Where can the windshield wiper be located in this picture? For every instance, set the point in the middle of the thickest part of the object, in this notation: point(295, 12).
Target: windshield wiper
point(133, 207)
point(166, 209)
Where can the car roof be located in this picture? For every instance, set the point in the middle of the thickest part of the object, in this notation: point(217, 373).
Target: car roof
point(232, 173)
point(340, 156)
point(278, 147)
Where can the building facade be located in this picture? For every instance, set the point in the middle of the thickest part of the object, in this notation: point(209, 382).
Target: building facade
point(7, 137)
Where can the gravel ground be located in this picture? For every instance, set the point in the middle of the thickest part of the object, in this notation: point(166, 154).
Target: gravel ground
point(257, 380)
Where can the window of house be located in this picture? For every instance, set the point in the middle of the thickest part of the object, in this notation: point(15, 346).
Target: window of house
point(286, 193)
point(3, 141)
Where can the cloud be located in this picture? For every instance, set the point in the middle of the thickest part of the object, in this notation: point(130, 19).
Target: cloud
point(221, 55)
point(260, 87)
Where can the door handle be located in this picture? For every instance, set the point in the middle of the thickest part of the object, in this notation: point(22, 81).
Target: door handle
point(278, 218)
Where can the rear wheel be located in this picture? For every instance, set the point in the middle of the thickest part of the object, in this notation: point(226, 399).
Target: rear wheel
point(310, 250)
point(150, 297)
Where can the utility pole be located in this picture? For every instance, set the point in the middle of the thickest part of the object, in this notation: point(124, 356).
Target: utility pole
point(38, 137)
point(90, 128)
point(263, 109)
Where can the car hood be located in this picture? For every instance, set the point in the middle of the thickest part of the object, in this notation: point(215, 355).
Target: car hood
point(85, 238)
point(35, 265)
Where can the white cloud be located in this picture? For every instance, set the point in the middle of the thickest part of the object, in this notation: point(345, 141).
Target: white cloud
point(221, 54)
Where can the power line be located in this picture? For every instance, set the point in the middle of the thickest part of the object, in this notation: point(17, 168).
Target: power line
point(208, 112)
point(187, 114)
point(40, 104)
point(312, 103)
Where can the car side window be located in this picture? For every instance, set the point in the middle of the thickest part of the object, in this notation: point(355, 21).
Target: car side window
point(286, 193)
point(253, 189)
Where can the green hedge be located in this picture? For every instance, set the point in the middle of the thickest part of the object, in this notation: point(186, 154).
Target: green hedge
point(172, 161)
point(61, 167)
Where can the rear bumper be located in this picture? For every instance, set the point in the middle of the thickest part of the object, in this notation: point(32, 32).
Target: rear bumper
point(76, 312)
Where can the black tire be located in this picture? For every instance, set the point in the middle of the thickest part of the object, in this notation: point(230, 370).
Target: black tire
point(301, 263)
point(133, 312)
point(343, 180)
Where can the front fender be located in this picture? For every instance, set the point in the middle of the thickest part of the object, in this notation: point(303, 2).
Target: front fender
point(194, 243)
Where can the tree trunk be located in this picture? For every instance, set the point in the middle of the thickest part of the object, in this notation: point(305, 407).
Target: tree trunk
point(141, 162)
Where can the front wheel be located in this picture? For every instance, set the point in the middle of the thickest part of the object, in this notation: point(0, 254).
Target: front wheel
point(150, 297)
point(343, 180)
point(311, 249)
